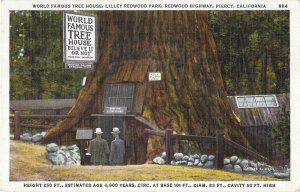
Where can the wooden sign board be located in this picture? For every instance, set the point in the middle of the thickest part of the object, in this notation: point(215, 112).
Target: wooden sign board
point(115, 110)
point(82, 134)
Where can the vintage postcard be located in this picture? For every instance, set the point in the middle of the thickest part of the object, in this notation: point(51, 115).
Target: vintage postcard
point(150, 96)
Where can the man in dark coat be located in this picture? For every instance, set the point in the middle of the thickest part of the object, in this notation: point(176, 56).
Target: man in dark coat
point(117, 149)
point(98, 149)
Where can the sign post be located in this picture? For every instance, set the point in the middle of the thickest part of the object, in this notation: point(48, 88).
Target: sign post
point(80, 40)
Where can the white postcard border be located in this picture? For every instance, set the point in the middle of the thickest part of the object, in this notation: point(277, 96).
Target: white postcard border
point(292, 185)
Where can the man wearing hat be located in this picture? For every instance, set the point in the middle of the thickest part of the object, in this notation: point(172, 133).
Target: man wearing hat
point(117, 149)
point(98, 149)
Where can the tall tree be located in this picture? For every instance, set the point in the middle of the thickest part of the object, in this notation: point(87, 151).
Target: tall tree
point(36, 67)
point(253, 50)
point(190, 98)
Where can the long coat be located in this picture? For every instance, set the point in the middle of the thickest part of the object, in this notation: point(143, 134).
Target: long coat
point(99, 151)
point(117, 152)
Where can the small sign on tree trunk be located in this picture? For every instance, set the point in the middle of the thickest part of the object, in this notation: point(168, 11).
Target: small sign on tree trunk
point(115, 110)
point(154, 76)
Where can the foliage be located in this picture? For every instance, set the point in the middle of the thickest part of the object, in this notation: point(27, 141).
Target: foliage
point(253, 49)
point(281, 134)
point(36, 61)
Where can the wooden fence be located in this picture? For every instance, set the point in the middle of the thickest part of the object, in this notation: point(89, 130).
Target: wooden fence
point(17, 123)
point(219, 141)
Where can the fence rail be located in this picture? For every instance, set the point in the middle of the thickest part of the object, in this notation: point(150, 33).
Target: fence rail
point(17, 116)
point(246, 151)
point(33, 125)
point(202, 139)
point(219, 141)
point(154, 132)
point(42, 116)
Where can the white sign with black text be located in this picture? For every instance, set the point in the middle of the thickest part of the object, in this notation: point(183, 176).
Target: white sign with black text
point(115, 110)
point(80, 39)
point(154, 76)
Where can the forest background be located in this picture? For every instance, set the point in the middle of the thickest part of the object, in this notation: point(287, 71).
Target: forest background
point(253, 52)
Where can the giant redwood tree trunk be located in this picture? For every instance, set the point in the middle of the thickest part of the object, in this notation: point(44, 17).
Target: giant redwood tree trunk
point(190, 98)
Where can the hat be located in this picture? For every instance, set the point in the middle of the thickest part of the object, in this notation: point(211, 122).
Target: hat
point(115, 130)
point(98, 131)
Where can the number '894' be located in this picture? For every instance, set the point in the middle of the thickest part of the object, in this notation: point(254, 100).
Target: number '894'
point(283, 6)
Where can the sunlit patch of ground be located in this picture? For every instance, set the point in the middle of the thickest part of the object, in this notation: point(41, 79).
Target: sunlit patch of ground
point(28, 163)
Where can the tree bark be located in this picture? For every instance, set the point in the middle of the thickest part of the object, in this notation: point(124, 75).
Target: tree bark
point(190, 98)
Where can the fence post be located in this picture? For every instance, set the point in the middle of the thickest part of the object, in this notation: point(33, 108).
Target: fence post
point(220, 150)
point(168, 146)
point(17, 125)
